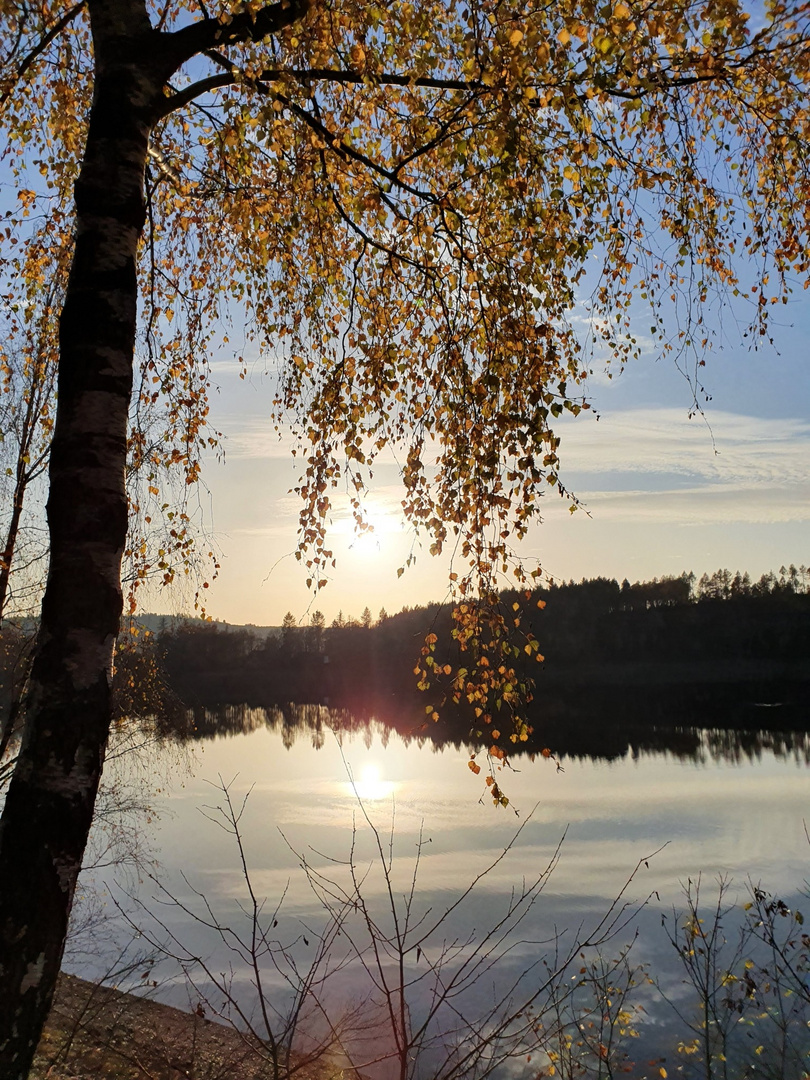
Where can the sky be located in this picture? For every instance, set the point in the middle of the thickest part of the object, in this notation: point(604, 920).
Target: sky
point(663, 493)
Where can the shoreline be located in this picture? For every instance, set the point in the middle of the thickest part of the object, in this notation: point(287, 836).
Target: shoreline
point(95, 1032)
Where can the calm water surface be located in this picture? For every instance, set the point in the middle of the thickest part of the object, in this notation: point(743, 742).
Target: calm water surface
point(727, 808)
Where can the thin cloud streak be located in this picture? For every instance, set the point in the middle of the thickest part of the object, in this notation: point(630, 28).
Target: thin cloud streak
point(255, 437)
point(712, 505)
point(725, 448)
point(680, 471)
point(725, 469)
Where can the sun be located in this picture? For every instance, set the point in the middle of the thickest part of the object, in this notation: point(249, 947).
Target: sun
point(382, 523)
point(367, 542)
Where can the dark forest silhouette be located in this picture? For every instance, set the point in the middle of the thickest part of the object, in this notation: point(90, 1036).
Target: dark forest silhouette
point(652, 649)
point(622, 663)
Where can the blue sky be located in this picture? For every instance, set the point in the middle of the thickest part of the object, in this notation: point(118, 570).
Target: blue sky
point(664, 493)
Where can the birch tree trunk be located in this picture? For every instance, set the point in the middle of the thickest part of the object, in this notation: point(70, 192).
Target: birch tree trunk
point(68, 707)
point(49, 804)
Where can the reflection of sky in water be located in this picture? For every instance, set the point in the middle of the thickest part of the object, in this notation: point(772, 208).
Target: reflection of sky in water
point(742, 820)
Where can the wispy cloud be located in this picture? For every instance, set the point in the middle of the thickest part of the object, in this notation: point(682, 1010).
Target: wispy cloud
point(724, 448)
point(255, 437)
point(658, 466)
point(712, 505)
point(645, 465)
point(383, 508)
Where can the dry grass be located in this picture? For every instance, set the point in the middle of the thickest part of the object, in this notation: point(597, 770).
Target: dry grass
point(97, 1033)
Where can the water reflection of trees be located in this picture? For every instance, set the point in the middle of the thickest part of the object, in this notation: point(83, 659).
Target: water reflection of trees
point(602, 739)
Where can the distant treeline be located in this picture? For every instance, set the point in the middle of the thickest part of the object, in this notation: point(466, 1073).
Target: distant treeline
point(721, 651)
point(680, 633)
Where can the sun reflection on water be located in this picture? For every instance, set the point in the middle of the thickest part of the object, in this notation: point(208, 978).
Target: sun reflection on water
point(369, 785)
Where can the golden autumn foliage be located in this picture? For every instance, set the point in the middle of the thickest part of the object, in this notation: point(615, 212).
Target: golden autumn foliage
point(426, 218)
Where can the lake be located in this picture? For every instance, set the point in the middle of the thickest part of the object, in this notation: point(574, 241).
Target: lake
point(646, 815)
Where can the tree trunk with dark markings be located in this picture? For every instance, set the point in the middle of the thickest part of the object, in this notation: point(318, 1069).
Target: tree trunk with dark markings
point(49, 804)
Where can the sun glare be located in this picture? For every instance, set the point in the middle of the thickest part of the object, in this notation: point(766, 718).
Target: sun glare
point(382, 524)
point(370, 786)
point(366, 543)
